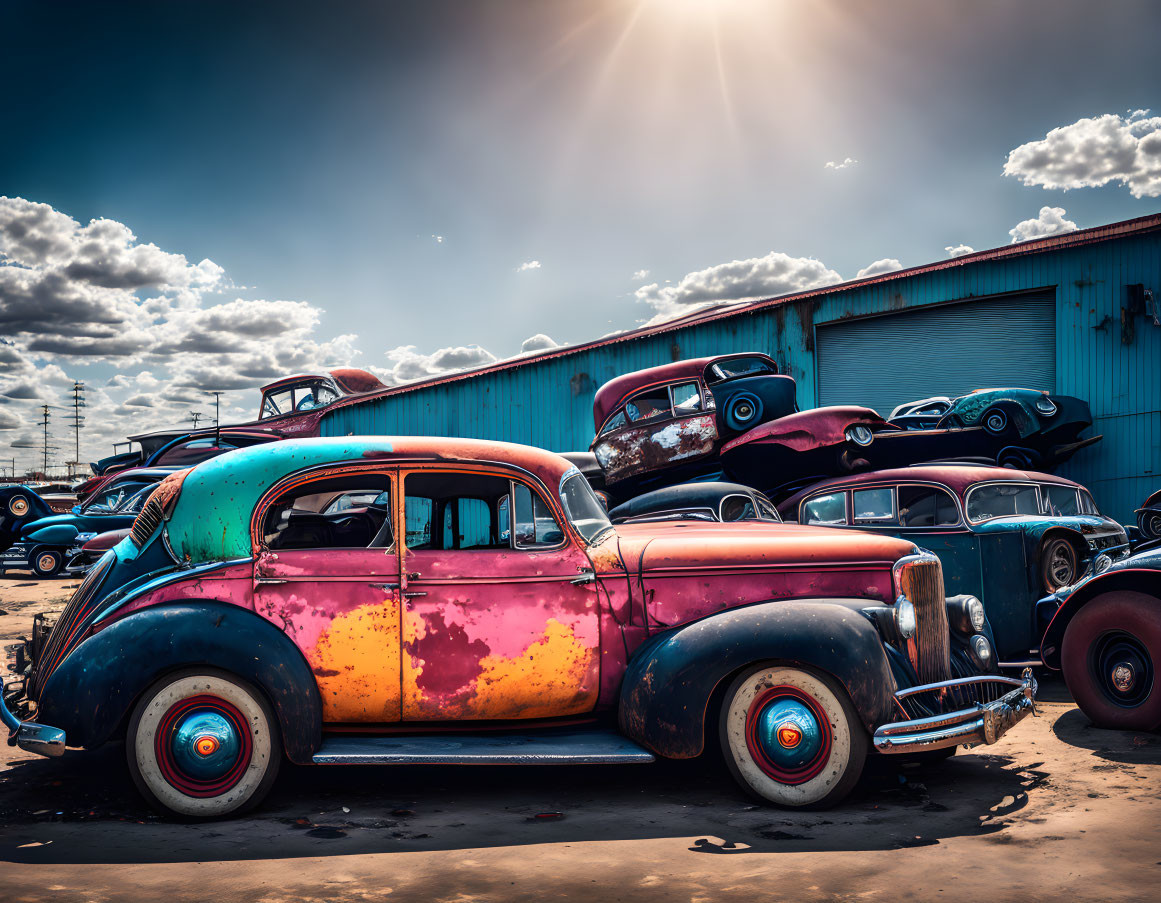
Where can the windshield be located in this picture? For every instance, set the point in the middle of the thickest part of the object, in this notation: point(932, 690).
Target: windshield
point(109, 500)
point(135, 503)
point(585, 511)
point(303, 397)
point(1002, 500)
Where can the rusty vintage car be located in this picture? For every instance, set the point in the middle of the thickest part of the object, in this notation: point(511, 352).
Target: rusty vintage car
point(411, 600)
point(1005, 536)
point(737, 416)
point(711, 500)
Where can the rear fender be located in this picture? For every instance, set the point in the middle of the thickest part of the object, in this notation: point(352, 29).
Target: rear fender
point(670, 681)
point(1139, 580)
point(92, 691)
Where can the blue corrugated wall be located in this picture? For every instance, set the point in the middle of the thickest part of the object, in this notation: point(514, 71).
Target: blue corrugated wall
point(549, 403)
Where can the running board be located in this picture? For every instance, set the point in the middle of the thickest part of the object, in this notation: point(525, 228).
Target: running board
point(575, 748)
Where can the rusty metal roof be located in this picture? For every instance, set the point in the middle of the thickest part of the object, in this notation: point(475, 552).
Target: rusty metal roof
point(726, 310)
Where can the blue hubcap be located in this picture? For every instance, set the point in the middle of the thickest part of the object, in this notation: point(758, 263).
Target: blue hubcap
point(789, 734)
point(205, 745)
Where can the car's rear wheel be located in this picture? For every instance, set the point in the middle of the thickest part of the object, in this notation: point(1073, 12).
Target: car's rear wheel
point(1110, 655)
point(792, 737)
point(202, 744)
point(47, 562)
point(1058, 564)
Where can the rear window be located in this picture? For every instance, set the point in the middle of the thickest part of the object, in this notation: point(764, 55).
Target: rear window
point(994, 500)
point(739, 366)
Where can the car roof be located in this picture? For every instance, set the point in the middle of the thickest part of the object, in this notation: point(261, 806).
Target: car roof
point(957, 477)
point(709, 492)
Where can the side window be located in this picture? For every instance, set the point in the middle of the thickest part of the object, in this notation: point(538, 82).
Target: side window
point(926, 506)
point(686, 398)
point(534, 523)
point(737, 507)
point(351, 511)
point(1087, 505)
point(1058, 501)
point(827, 509)
point(452, 511)
point(652, 403)
point(874, 506)
point(615, 422)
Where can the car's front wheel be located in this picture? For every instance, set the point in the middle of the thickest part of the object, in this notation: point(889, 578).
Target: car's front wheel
point(792, 737)
point(47, 562)
point(202, 744)
point(1110, 655)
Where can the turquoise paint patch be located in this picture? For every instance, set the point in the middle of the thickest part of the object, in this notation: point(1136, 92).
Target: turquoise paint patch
point(56, 534)
point(211, 520)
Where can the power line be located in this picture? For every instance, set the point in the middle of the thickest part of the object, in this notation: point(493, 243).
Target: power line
point(77, 420)
point(196, 415)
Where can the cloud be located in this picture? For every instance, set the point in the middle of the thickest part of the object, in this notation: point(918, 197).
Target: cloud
point(848, 162)
point(9, 420)
point(538, 342)
point(528, 265)
point(408, 364)
point(639, 275)
point(884, 265)
point(738, 280)
point(1093, 152)
point(959, 250)
point(1051, 221)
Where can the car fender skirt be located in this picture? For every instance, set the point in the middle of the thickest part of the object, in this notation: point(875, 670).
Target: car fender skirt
point(92, 691)
point(672, 677)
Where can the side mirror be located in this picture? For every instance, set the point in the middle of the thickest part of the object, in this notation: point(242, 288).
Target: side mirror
point(76, 509)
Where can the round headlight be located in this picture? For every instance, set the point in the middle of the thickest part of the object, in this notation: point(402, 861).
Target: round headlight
point(1101, 563)
point(905, 617)
point(860, 435)
point(975, 610)
point(982, 651)
point(1045, 405)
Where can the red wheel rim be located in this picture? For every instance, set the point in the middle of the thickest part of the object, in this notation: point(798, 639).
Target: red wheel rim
point(754, 745)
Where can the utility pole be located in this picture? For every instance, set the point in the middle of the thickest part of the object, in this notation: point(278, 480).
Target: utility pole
point(78, 420)
point(44, 423)
point(196, 415)
point(217, 415)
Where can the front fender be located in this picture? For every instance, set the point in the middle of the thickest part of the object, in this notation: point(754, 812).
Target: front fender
point(670, 681)
point(56, 535)
point(1140, 580)
point(94, 688)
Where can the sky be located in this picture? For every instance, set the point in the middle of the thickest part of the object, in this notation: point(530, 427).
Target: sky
point(202, 196)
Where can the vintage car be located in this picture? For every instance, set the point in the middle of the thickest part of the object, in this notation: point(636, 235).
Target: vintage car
point(89, 549)
point(1003, 535)
point(707, 501)
point(470, 602)
point(666, 424)
point(39, 541)
point(1106, 638)
point(736, 416)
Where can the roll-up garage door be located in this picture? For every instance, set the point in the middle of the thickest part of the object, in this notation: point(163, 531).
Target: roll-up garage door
point(880, 362)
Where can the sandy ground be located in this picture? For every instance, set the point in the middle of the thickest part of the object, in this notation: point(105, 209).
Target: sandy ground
point(1058, 809)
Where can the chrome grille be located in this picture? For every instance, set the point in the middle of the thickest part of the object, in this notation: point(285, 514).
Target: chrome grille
point(147, 522)
point(921, 580)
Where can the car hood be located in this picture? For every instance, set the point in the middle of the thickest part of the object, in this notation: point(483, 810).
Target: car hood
point(1095, 527)
point(667, 545)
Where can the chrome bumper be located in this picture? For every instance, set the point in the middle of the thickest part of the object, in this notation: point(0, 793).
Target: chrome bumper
point(28, 735)
point(984, 723)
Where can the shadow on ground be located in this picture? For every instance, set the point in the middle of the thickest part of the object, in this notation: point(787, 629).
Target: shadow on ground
point(1125, 747)
point(83, 809)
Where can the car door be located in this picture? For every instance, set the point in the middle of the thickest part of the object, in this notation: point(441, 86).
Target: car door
point(326, 571)
point(500, 613)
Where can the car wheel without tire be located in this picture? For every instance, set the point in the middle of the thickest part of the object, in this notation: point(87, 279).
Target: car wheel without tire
point(791, 737)
point(995, 420)
point(743, 411)
point(1150, 524)
point(202, 744)
point(1058, 564)
point(47, 562)
point(1110, 655)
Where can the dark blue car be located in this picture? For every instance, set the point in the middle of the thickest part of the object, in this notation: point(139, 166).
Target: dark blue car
point(35, 539)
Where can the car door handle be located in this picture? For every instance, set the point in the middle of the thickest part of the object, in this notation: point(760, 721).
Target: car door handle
point(385, 586)
point(413, 595)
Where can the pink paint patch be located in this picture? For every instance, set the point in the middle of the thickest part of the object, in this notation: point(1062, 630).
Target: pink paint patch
point(448, 659)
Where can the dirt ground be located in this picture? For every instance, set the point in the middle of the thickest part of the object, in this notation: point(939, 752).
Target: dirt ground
point(1056, 809)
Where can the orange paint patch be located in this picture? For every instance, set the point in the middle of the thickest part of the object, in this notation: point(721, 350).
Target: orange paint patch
point(556, 675)
point(356, 664)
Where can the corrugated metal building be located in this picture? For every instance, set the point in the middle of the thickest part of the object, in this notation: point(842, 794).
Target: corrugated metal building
point(1053, 314)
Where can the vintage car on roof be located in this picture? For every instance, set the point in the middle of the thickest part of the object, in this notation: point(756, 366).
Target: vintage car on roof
point(374, 599)
point(1149, 518)
point(1003, 535)
point(1106, 638)
point(35, 539)
point(711, 500)
point(736, 415)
